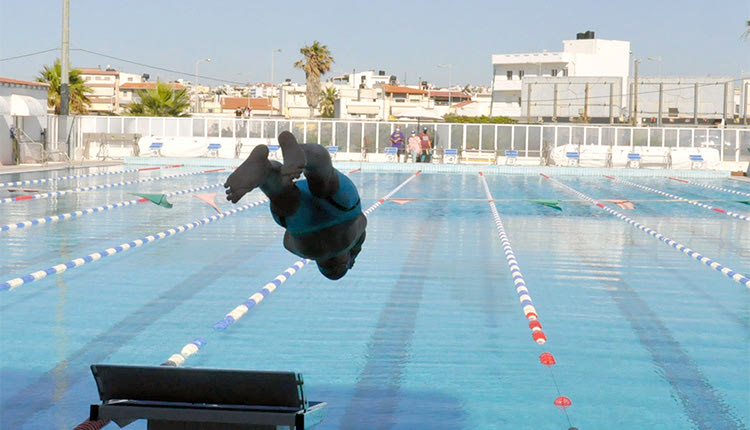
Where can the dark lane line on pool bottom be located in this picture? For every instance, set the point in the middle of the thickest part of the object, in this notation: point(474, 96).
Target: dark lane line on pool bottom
point(376, 396)
point(41, 394)
point(703, 406)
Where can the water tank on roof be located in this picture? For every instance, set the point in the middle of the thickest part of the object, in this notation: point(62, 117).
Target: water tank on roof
point(586, 35)
point(381, 72)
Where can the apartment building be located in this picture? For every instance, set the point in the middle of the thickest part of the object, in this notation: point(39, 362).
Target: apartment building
point(583, 57)
point(105, 88)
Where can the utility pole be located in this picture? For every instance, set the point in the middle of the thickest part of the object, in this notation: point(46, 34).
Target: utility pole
point(65, 61)
point(635, 92)
point(586, 105)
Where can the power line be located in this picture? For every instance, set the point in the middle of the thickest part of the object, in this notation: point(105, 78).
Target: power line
point(29, 55)
point(179, 72)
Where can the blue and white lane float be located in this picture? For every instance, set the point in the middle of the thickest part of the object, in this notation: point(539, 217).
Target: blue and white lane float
point(76, 214)
point(515, 271)
point(711, 187)
point(546, 358)
point(239, 311)
point(730, 273)
point(101, 187)
point(682, 199)
point(86, 175)
point(62, 267)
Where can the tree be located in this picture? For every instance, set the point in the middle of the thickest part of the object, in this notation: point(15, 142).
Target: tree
point(162, 100)
point(317, 60)
point(52, 75)
point(329, 95)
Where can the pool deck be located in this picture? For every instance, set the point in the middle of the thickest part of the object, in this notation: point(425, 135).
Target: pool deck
point(392, 167)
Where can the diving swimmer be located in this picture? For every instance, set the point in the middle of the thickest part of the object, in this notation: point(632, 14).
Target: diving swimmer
point(322, 213)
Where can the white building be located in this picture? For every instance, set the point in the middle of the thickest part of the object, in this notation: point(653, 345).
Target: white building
point(585, 56)
point(105, 88)
point(23, 109)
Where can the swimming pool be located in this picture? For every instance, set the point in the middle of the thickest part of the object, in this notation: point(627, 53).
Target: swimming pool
point(429, 329)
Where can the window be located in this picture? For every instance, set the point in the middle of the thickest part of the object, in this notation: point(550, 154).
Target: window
point(509, 75)
point(520, 74)
point(565, 72)
point(554, 72)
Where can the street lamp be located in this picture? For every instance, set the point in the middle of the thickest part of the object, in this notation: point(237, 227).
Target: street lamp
point(197, 98)
point(207, 60)
point(659, 63)
point(450, 93)
point(272, 84)
point(273, 52)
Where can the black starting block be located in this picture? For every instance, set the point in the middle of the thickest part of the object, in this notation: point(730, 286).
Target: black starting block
point(172, 398)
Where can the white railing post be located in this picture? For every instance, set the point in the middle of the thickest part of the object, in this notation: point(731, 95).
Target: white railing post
point(526, 142)
point(554, 135)
point(464, 136)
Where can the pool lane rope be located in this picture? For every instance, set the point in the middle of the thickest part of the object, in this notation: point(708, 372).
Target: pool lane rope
point(101, 187)
point(682, 199)
point(178, 359)
point(86, 175)
point(522, 290)
point(76, 214)
point(62, 267)
point(730, 273)
point(711, 187)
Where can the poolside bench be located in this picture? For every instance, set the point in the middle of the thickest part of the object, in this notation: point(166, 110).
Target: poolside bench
point(472, 156)
point(155, 148)
point(657, 157)
point(511, 156)
point(391, 154)
point(172, 398)
point(696, 161)
point(213, 150)
point(634, 160)
point(332, 151)
point(450, 156)
point(274, 152)
point(573, 158)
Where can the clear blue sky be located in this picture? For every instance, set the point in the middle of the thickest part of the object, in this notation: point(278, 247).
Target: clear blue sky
point(405, 38)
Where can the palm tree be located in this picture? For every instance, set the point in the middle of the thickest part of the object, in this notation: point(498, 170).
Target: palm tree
point(317, 60)
point(78, 102)
point(329, 95)
point(162, 100)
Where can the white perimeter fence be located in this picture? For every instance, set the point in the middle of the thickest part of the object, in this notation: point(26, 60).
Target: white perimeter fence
point(530, 140)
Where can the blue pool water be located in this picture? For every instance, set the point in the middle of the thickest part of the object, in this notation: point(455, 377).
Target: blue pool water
point(427, 330)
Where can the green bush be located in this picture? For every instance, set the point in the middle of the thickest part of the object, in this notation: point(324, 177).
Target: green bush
point(479, 119)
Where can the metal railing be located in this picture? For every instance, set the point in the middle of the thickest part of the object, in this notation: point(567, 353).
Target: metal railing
point(530, 140)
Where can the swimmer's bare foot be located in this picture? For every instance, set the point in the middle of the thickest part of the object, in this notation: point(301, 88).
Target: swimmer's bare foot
point(294, 156)
point(251, 174)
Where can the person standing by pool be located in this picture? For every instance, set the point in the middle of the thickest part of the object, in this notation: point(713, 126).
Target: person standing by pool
point(322, 213)
point(415, 147)
point(397, 141)
point(426, 144)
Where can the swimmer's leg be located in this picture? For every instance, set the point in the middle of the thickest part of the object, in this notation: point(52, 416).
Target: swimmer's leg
point(280, 189)
point(312, 159)
point(294, 156)
point(321, 176)
point(250, 175)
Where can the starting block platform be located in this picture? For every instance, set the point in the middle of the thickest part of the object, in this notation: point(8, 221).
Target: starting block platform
point(172, 398)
